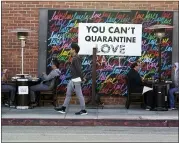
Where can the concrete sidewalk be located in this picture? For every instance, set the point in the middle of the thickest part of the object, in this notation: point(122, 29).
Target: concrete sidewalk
point(110, 115)
point(84, 134)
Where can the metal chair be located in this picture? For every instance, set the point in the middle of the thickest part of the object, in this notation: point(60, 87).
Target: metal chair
point(51, 93)
point(133, 97)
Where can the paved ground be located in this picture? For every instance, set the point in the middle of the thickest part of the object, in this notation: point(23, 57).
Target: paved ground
point(88, 134)
point(114, 112)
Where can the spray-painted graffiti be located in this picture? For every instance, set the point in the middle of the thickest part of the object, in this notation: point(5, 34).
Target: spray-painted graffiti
point(63, 30)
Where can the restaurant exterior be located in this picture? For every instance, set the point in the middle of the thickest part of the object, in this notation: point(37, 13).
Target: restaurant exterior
point(50, 20)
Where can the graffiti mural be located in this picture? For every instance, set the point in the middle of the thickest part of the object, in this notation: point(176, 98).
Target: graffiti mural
point(63, 30)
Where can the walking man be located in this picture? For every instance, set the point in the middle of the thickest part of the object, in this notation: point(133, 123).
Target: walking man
point(75, 82)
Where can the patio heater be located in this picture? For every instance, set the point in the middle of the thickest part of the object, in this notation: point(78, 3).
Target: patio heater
point(22, 83)
point(159, 31)
point(160, 89)
point(22, 35)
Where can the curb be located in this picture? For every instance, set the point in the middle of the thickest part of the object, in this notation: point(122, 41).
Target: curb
point(88, 122)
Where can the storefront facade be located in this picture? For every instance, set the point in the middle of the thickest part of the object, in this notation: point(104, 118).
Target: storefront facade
point(43, 17)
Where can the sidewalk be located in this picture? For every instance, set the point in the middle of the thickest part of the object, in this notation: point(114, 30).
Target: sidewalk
point(109, 116)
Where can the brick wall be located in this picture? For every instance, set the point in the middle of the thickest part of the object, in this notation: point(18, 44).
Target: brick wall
point(107, 100)
point(25, 14)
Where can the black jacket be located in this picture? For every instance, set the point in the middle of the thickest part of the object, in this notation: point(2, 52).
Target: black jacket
point(135, 81)
point(76, 67)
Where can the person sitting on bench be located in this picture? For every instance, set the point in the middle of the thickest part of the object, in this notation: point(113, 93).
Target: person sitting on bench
point(7, 87)
point(46, 82)
point(175, 88)
point(137, 85)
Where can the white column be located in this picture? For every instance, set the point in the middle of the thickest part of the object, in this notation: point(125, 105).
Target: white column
point(22, 52)
point(22, 55)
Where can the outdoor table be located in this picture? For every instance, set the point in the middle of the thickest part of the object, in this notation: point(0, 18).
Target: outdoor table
point(160, 93)
point(22, 93)
point(22, 96)
point(161, 100)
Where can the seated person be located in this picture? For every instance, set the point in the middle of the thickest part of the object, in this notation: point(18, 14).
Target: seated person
point(46, 83)
point(7, 87)
point(136, 85)
point(175, 88)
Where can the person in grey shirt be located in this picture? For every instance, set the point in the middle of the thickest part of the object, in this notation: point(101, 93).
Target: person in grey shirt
point(176, 87)
point(75, 82)
point(46, 82)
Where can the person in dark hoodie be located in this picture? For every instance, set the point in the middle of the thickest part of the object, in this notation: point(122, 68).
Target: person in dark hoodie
point(135, 81)
point(46, 81)
point(75, 82)
point(136, 85)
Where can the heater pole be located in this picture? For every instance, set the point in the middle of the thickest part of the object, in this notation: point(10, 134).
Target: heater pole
point(22, 55)
point(160, 58)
